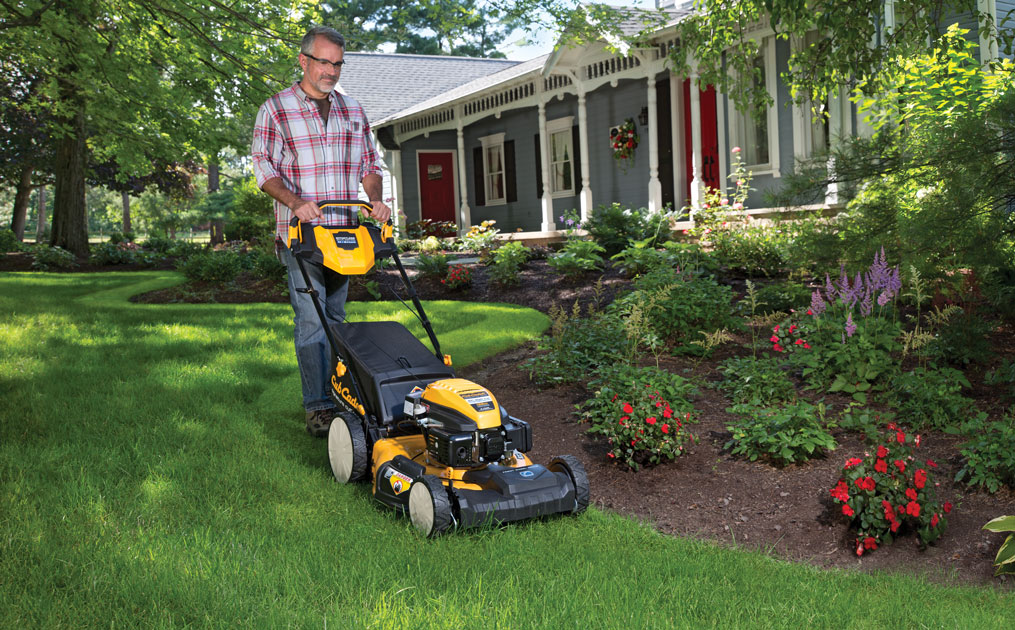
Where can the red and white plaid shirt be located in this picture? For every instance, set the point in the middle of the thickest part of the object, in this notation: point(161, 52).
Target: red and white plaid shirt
point(317, 163)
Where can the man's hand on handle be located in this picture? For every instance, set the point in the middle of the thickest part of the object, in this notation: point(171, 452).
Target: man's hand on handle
point(381, 211)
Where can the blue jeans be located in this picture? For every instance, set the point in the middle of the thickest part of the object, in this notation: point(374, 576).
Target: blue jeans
point(313, 354)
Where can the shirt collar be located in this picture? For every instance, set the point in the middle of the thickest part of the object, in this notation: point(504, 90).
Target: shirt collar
point(303, 96)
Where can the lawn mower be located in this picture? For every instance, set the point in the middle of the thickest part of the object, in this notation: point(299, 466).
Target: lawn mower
point(436, 446)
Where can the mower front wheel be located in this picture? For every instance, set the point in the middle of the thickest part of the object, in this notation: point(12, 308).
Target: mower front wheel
point(576, 472)
point(347, 448)
point(429, 506)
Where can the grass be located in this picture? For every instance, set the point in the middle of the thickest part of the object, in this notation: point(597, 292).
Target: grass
point(154, 473)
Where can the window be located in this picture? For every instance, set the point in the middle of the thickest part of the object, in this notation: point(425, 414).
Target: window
point(561, 158)
point(494, 169)
point(810, 123)
point(757, 136)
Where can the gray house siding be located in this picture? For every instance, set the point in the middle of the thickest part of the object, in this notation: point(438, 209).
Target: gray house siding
point(608, 107)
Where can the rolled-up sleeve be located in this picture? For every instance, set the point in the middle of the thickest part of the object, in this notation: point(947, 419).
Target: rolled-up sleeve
point(266, 147)
point(369, 165)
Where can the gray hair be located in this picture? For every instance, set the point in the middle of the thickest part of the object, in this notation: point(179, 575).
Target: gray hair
point(333, 36)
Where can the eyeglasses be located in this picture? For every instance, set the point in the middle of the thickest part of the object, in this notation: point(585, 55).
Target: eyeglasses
point(335, 64)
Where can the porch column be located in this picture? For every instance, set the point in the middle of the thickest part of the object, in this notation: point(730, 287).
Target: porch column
point(696, 155)
point(655, 187)
point(464, 212)
point(583, 139)
point(838, 127)
point(677, 139)
point(547, 225)
point(394, 160)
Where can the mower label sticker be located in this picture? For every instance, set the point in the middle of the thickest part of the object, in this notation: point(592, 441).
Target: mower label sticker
point(399, 482)
point(480, 401)
point(527, 473)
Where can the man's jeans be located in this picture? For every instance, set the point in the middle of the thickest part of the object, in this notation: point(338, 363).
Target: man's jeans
point(312, 351)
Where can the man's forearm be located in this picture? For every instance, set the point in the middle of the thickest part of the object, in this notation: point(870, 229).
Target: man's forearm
point(278, 191)
point(373, 186)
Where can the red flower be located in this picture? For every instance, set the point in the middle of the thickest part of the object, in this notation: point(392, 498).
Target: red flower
point(848, 511)
point(774, 339)
point(870, 543)
point(934, 520)
point(901, 465)
point(932, 463)
point(798, 342)
point(628, 408)
point(610, 455)
point(840, 492)
point(651, 420)
point(913, 509)
point(916, 440)
point(630, 144)
point(868, 484)
point(665, 428)
point(920, 478)
point(776, 329)
point(900, 437)
point(895, 526)
point(882, 452)
point(881, 466)
point(853, 461)
point(911, 494)
point(667, 413)
point(792, 327)
point(777, 348)
point(947, 507)
point(807, 346)
point(810, 312)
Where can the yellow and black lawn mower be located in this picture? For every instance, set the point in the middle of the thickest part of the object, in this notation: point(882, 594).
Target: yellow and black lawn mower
point(438, 447)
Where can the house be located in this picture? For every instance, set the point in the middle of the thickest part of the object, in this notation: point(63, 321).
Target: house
point(527, 141)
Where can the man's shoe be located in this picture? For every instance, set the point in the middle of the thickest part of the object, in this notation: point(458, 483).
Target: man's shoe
point(319, 421)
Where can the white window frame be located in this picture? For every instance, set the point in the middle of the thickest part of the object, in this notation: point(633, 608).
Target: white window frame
point(559, 125)
point(803, 117)
point(496, 142)
point(738, 119)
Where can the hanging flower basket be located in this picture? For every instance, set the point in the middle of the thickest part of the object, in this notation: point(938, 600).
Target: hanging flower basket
point(624, 140)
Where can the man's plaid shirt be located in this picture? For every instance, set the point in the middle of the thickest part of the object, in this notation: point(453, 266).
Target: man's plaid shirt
point(317, 164)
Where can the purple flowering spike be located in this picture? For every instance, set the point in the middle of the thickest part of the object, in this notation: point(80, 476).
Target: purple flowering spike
point(879, 275)
point(850, 326)
point(884, 298)
point(829, 288)
point(896, 282)
point(867, 305)
point(843, 283)
point(817, 303)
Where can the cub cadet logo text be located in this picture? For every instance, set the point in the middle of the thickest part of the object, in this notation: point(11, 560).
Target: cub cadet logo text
point(343, 391)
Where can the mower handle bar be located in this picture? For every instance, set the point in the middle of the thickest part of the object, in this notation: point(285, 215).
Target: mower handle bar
point(294, 221)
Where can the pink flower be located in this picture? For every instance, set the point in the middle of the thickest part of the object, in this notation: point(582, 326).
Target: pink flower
point(739, 206)
point(735, 150)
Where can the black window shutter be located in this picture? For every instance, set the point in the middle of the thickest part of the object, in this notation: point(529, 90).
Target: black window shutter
point(576, 159)
point(539, 171)
point(478, 176)
point(509, 171)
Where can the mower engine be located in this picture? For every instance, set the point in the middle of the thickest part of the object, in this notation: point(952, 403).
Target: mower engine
point(463, 425)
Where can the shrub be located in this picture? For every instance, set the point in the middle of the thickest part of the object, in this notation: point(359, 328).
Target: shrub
point(1004, 377)
point(963, 339)
point(263, 263)
point(690, 257)
point(639, 257)
point(778, 297)
point(480, 238)
point(109, 253)
point(641, 412)
point(575, 346)
point(989, 457)
point(212, 266)
point(507, 262)
point(459, 277)
point(45, 258)
point(751, 250)
point(691, 305)
point(121, 237)
point(432, 265)
point(931, 397)
point(577, 257)
point(9, 242)
point(418, 230)
point(1005, 558)
point(887, 492)
point(746, 379)
point(160, 244)
point(786, 434)
point(249, 215)
point(614, 226)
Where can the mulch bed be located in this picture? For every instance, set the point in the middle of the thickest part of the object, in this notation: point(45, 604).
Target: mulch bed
point(706, 493)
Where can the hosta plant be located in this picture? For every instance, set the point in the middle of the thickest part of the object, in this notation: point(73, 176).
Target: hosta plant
point(1005, 559)
point(889, 492)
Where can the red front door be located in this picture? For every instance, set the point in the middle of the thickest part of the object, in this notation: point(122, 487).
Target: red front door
point(709, 139)
point(437, 186)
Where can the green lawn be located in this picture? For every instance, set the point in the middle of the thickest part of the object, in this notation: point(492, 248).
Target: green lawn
point(154, 472)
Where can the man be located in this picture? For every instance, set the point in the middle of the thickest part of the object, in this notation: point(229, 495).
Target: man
point(312, 144)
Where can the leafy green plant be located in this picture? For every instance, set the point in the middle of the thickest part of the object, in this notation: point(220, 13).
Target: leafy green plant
point(9, 242)
point(1005, 558)
point(45, 258)
point(963, 339)
point(989, 457)
point(746, 379)
point(614, 226)
point(641, 411)
point(459, 277)
point(887, 492)
point(639, 257)
point(480, 238)
point(690, 257)
point(122, 253)
point(785, 434)
point(863, 419)
point(751, 250)
point(575, 346)
point(1003, 377)
point(930, 397)
point(577, 257)
point(432, 265)
point(778, 296)
point(262, 262)
point(212, 266)
point(507, 261)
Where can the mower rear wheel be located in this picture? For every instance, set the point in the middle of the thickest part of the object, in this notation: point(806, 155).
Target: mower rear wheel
point(580, 481)
point(429, 506)
point(347, 448)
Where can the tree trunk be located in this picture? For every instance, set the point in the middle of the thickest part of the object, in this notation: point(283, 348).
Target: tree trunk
point(21, 200)
point(70, 215)
point(218, 224)
point(40, 226)
point(125, 196)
